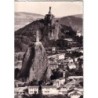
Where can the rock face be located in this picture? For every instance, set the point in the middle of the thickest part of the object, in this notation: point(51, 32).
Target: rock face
point(39, 63)
point(35, 63)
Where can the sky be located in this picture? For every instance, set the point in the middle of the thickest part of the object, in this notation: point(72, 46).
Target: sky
point(59, 9)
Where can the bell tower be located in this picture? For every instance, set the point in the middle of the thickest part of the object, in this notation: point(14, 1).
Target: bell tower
point(49, 10)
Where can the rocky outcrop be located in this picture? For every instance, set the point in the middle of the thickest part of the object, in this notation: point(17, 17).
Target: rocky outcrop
point(35, 63)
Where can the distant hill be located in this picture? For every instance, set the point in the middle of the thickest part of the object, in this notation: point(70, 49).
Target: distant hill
point(26, 35)
point(75, 21)
point(24, 18)
point(79, 15)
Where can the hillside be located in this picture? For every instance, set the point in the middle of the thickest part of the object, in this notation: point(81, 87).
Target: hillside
point(24, 18)
point(26, 35)
point(76, 22)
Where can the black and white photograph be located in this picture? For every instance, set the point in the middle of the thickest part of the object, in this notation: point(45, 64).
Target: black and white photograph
point(48, 49)
point(44, 0)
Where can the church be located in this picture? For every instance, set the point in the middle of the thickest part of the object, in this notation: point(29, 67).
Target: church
point(52, 25)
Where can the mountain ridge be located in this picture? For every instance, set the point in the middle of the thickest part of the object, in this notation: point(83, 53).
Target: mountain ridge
point(26, 35)
point(24, 18)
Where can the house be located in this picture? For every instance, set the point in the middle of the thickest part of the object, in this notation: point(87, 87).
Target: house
point(53, 66)
point(53, 49)
point(61, 56)
point(71, 65)
point(33, 90)
point(69, 59)
point(20, 89)
point(73, 49)
point(18, 83)
point(58, 82)
point(62, 91)
point(49, 90)
point(75, 94)
point(75, 78)
point(69, 39)
point(46, 90)
point(79, 34)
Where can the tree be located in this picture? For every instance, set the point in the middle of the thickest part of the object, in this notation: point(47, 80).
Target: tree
point(68, 31)
point(56, 74)
point(61, 43)
point(16, 73)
